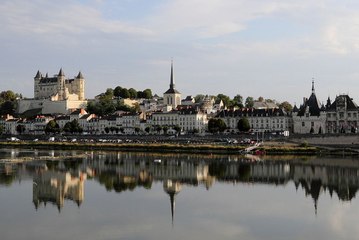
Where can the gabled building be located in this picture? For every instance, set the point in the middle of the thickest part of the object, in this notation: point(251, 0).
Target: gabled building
point(342, 115)
point(310, 117)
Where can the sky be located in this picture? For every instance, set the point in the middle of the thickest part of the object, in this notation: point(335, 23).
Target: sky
point(268, 48)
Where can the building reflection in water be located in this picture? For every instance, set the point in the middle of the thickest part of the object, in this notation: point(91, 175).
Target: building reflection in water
point(54, 187)
point(57, 181)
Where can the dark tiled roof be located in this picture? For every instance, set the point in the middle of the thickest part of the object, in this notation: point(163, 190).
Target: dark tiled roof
point(313, 104)
point(345, 99)
point(48, 80)
point(252, 112)
point(172, 90)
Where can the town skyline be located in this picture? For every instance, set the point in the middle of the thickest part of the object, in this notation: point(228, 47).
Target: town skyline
point(252, 48)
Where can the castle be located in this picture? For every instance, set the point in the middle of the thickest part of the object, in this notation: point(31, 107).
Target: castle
point(56, 94)
point(58, 87)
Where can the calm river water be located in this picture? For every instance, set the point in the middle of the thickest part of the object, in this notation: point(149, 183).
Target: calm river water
point(111, 195)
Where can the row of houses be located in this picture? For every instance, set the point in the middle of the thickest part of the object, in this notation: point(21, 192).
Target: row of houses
point(340, 116)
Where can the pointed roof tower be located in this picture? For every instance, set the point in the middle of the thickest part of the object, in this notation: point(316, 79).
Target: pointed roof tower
point(313, 104)
point(79, 76)
point(61, 73)
point(172, 84)
point(38, 74)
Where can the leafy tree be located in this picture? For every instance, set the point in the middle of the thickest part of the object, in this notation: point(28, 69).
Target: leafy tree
point(107, 129)
point(20, 128)
point(238, 101)
point(124, 93)
point(133, 93)
point(52, 127)
point(147, 129)
point(165, 129)
point(216, 125)
point(117, 91)
point(109, 93)
point(286, 106)
point(73, 127)
point(158, 129)
point(7, 96)
point(226, 100)
point(249, 102)
point(8, 107)
point(137, 130)
point(177, 128)
point(260, 99)
point(243, 125)
point(198, 98)
point(147, 93)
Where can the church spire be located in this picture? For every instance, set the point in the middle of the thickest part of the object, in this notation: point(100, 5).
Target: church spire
point(172, 85)
point(313, 91)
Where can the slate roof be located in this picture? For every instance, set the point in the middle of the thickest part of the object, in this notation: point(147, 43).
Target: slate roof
point(350, 104)
point(252, 112)
point(312, 103)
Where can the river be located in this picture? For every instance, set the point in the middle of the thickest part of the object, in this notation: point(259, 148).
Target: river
point(113, 195)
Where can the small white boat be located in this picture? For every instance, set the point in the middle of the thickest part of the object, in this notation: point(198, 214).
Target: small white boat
point(157, 161)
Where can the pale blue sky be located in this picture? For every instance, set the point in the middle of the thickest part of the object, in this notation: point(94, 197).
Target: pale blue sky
point(249, 47)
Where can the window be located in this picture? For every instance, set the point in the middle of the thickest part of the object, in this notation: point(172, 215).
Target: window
point(341, 115)
point(312, 124)
point(303, 124)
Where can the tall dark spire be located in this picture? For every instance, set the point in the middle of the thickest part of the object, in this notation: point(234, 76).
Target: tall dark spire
point(172, 85)
point(313, 91)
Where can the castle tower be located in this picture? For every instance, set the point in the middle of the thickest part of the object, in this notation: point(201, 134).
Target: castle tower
point(172, 97)
point(61, 85)
point(80, 86)
point(37, 79)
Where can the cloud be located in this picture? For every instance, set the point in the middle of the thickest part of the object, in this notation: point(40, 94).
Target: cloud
point(47, 17)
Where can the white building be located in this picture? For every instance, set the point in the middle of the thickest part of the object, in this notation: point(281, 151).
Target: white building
point(310, 117)
point(260, 120)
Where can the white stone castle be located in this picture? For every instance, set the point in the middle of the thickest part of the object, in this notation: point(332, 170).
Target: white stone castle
point(56, 94)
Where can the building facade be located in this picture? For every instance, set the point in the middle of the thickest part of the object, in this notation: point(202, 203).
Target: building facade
point(310, 117)
point(342, 115)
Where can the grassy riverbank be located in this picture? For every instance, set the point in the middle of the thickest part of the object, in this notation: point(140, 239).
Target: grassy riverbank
point(270, 149)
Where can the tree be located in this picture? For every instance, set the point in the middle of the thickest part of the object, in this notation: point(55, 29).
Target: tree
point(249, 102)
point(52, 127)
point(177, 129)
point(216, 125)
point(225, 99)
point(20, 128)
point(117, 91)
point(147, 93)
point(8, 107)
point(133, 93)
point(73, 127)
point(147, 129)
point(124, 93)
point(137, 130)
point(7, 96)
point(165, 129)
point(243, 125)
point(286, 106)
point(238, 101)
point(158, 129)
point(260, 99)
point(109, 93)
point(198, 98)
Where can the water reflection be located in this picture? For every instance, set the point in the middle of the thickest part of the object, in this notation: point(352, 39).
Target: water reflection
point(58, 176)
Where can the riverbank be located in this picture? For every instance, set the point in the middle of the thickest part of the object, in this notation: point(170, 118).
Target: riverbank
point(268, 148)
